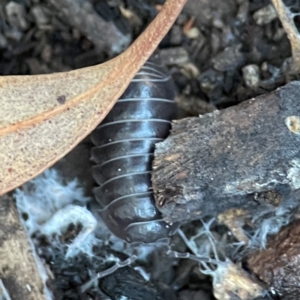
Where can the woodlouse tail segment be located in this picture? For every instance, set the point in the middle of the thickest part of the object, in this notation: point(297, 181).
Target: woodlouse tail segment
point(123, 153)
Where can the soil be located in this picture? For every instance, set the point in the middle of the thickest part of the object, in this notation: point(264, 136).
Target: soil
point(219, 53)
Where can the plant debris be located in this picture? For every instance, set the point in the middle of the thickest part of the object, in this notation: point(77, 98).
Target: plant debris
point(220, 53)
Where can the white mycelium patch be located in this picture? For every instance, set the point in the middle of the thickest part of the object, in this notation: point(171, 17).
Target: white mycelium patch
point(48, 206)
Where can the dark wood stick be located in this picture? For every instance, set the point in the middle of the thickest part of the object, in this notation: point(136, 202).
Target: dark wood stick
point(104, 34)
point(20, 269)
point(219, 160)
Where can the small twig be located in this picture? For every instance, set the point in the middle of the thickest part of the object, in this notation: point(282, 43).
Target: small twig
point(287, 20)
point(104, 34)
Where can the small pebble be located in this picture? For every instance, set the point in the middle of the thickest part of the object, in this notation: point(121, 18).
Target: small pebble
point(265, 15)
point(229, 59)
point(16, 15)
point(251, 76)
point(39, 14)
point(174, 56)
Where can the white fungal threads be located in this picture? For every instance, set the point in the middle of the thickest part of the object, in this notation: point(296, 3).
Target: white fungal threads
point(73, 214)
point(228, 278)
point(47, 206)
point(271, 226)
point(116, 266)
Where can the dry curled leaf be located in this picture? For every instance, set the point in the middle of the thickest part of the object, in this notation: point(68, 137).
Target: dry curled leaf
point(44, 116)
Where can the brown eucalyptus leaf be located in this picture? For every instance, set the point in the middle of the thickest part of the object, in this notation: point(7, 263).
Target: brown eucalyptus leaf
point(43, 117)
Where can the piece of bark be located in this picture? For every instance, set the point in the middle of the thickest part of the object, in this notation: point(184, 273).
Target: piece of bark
point(279, 264)
point(20, 269)
point(218, 161)
point(104, 34)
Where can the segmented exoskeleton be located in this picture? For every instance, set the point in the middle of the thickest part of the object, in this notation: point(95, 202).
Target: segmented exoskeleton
point(124, 145)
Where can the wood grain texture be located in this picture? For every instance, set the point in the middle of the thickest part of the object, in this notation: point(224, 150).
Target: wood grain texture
point(219, 160)
point(44, 116)
point(18, 269)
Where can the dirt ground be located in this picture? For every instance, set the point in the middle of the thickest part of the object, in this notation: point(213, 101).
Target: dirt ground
point(219, 53)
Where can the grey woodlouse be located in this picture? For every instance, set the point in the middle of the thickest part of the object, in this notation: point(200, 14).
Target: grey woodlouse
point(124, 144)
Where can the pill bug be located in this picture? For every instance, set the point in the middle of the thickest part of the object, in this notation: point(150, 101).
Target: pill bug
point(123, 153)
